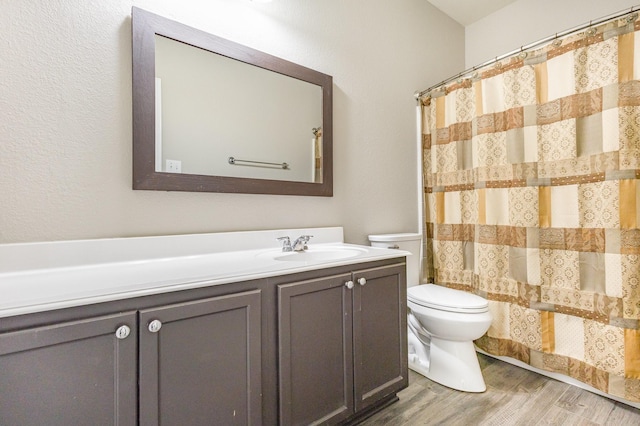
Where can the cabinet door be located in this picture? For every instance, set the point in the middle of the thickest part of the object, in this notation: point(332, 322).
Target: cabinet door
point(71, 373)
point(200, 362)
point(380, 334)
point(315, 351)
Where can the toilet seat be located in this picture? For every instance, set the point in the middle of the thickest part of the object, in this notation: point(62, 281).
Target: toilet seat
point(446, 299)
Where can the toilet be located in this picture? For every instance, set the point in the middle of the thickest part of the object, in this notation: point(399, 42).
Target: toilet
point(442, 323)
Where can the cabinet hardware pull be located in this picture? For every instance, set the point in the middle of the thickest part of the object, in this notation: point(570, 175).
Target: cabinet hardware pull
point(349, 284)
point(154, 326)
point(123, 332)
point(362, 281)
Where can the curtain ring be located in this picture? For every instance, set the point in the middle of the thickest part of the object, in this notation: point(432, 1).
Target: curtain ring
point(523, 54)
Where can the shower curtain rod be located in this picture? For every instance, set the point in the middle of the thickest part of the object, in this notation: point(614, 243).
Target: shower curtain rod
point(419, 94)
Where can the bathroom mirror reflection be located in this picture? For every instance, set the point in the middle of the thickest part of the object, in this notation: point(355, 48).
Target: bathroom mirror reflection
point(243, 112)
point(211, 115)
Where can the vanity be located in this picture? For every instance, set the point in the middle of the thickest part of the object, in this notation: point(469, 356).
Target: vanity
point(201, 329)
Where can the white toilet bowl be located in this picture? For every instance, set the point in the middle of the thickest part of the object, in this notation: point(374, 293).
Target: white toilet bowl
point(442, 323)
point(442, 326)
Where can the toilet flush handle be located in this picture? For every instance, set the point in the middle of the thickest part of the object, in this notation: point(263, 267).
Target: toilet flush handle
point(394, 247)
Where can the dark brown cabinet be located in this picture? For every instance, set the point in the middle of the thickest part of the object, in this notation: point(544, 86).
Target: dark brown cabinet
point(302, 348)
point(380, 335)
point(200, 362)
point(73, 373)
point(342, 345)
point(315, 351)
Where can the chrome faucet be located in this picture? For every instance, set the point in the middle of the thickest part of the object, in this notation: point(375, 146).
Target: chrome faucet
point(300, 244)
point(286, 243)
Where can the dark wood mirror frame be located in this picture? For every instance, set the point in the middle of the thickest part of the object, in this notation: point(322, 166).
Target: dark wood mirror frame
point(145, 26)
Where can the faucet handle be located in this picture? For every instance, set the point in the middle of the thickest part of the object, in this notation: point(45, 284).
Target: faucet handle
point(286, 243)
point(300, 244)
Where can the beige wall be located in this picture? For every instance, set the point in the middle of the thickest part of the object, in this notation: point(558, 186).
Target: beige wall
point(527, 21)
point(65, 122)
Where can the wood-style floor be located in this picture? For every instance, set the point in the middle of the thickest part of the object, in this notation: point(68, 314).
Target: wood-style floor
point(514, 396)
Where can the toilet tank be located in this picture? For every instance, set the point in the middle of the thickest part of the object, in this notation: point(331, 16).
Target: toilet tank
point(408, 242)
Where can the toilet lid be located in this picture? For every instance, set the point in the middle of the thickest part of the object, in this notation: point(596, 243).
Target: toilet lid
point(446, 299)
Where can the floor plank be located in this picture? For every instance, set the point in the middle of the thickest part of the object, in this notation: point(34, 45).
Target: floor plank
point(623, 414)
point(514, 396)
point(539, 401)
point(586, 404)
point(558, 416)
point(524, 406)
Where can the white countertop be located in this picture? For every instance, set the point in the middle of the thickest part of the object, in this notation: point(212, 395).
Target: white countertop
point(36, 277)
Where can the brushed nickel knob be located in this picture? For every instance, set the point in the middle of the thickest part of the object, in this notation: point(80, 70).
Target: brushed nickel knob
point(123, 332)
point(155, 326)
point(349, 284)
point(362, 281)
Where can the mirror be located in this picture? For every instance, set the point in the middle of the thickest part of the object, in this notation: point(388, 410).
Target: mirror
point(211, 115)
point(262, 120)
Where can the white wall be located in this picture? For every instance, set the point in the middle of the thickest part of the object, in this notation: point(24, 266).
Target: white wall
point(65, 114)
point(527, 21)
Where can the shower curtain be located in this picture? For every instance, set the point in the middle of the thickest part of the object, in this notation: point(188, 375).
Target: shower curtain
point(532, 200)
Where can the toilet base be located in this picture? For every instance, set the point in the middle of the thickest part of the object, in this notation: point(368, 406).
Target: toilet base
point(452, 364)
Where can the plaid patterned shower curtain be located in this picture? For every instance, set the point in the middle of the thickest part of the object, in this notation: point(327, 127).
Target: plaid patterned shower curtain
point(532, 200)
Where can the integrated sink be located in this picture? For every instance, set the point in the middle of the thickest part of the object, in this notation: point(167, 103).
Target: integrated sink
point(314, 254)
point(38, 277)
